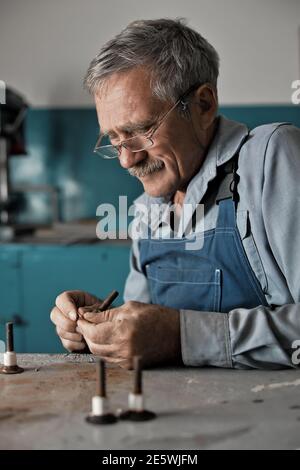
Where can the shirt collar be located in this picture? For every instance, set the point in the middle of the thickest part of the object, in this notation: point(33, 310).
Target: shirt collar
point(228, 138)
point(226, 142)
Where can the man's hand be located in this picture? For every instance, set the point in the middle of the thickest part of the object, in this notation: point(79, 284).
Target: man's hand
point(65, 314)
point(135, 328)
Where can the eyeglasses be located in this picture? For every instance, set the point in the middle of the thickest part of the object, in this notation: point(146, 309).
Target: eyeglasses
point(138, 142)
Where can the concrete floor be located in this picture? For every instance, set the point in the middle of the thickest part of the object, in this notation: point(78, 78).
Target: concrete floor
point(45, 407)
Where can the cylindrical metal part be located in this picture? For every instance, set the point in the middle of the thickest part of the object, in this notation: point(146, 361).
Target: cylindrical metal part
point(101, 379)
point(109, 300)
point(138, 385)
point(9, 337)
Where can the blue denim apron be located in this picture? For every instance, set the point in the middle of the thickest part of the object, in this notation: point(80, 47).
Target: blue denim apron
point(216, 277)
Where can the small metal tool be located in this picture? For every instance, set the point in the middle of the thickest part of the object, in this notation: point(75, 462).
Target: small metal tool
point(108, 301)
point(100, 406)
point(136, 411)
point(99, 307)
point(10, 365)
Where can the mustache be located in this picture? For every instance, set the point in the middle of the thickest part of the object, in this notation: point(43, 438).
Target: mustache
point(145, 168)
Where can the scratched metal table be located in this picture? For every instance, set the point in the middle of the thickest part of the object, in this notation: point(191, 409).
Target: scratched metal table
point(45, 407)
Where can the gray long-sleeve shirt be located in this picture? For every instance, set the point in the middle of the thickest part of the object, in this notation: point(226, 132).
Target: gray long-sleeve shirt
point(268, 220)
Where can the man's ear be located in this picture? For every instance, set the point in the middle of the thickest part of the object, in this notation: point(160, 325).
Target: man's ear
point(206, 100)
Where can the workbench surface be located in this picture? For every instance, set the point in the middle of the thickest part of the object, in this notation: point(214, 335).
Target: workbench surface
point(45, 407)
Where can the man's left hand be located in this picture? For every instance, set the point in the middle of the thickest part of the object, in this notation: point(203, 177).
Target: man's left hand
point(134, 329)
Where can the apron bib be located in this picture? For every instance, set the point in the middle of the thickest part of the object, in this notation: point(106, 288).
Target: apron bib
point(217, 277)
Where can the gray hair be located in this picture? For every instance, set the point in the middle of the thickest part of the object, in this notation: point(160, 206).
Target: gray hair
point(177, 56)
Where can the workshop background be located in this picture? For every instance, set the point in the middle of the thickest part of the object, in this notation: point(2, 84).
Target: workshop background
point(49, 196)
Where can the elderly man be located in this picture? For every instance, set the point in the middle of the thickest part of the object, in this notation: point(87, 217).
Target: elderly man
point(232, 300)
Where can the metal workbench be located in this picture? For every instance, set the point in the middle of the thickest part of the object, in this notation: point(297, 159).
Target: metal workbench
point(45, 407)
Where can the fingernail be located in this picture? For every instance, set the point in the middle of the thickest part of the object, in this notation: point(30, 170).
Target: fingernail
point(73, 315)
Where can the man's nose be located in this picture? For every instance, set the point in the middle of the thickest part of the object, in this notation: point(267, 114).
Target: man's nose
point(129, 159)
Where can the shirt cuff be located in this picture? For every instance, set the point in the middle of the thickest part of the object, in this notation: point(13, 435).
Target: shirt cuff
point(205, 339)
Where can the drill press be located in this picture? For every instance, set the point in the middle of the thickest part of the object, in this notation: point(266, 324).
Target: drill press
point(12, 142)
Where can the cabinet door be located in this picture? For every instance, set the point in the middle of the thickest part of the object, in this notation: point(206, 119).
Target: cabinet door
point(49, 270)
point(10, 296)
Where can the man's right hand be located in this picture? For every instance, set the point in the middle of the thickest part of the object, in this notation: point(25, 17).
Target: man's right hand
point(65, 314)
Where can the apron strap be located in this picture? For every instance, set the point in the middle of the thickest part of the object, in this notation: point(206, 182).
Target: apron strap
point(229, 177)
point(226, 175)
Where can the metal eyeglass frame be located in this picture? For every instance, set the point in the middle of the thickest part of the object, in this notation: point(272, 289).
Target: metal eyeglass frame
point(149, 138)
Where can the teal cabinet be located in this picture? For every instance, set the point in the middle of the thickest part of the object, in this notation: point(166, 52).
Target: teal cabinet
point(11, 294)
point(33, 276)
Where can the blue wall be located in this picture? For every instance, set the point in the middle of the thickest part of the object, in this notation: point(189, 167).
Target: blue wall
point(254, 116)
point(60, 144)
point(60, 153)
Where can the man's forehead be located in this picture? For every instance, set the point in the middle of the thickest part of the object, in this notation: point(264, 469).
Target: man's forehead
point(126, 115)
point(125, 102)
point(135, 79)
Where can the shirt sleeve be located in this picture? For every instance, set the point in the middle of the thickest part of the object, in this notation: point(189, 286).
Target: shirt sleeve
point(136, 287)
point(261, 337)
